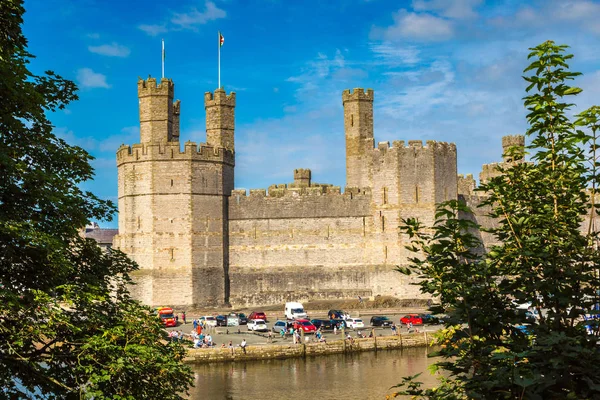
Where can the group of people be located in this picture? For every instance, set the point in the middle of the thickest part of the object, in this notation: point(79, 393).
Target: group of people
point(201, 340)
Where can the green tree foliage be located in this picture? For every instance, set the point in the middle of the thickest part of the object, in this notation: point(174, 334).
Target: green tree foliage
point(546, 255)
point(68, 327)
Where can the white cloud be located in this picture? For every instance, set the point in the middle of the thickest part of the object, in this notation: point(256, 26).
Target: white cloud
point(89, 79)
point(392, 55)
point(193, 18)
point(324, 69)
point(420, 27)
point(111, 50)
point(189, 20)
point(93, 35)
point(458, 9)
point(153, 30)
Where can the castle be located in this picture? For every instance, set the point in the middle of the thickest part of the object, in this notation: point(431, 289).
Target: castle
point(199, 242)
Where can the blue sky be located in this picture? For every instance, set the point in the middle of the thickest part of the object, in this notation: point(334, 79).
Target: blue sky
point(441, 70)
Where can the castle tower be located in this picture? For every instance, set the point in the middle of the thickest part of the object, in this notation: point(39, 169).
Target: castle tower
point(489, 171)
point(302, 177)
point(220, 123)
point(511, 141)
point(358, 126)
point(173, 207)
point(157, 112)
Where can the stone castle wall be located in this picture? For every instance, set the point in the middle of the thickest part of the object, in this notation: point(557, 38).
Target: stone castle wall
point(200, 243)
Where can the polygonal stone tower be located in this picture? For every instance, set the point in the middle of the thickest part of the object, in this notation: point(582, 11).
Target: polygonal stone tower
point(358, 125)
point(173, 202)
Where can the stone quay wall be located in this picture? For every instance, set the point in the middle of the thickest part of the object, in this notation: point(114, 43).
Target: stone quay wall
point(272, 351)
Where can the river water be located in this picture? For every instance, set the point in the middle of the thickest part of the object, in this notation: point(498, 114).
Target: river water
point(367, 375)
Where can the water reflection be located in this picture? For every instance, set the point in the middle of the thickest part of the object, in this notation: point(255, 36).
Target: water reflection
point(366, 375)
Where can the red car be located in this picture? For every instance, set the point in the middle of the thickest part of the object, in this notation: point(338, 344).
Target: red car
point(415, 319)
point(257, 315)
point(305, 325)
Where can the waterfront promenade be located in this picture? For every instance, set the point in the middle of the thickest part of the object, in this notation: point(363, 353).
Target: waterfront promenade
point(286, 350)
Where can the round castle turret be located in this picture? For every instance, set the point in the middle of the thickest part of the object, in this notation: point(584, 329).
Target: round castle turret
point(358, 126)
point(220, 121)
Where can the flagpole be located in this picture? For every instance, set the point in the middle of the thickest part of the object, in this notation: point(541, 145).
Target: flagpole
point(219, 44)
point(163, 58)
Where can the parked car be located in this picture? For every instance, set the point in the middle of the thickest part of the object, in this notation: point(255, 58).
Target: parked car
point(257, 315)
point(337, 314)
point(221, 320)
point(355, 323)
point(324, 324)
point(430, 319)
point(257, 325)
point(243, 320)
point(338, 323)
point(412, 318)
point(209, 320)
point(279, 326)
point(380, 320)
point(305, 325)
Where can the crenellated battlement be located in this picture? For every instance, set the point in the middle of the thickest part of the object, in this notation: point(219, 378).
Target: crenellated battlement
point(172, 151)
point(283, 190)
point(359, 94)
point(416, 145)
point(219, 97)
point(149, 87)
point(513, 140)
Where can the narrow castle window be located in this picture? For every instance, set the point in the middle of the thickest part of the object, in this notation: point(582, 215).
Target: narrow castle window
point(351, 119)
point(416, 194)
point(382, 223)
point(172, 254)
point(171, 182)
point(384, 195)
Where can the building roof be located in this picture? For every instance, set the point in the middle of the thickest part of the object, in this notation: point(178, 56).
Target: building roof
point(100, 235)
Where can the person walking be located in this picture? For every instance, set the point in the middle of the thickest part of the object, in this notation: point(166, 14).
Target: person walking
point(243, 345)
point(195, 323)
point(183, 317)
point(270, 337)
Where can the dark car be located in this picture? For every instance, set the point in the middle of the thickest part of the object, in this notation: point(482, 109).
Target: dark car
point(338, 323)
point(243, 320)
point(324, 324)
point(430, 319)
point(380, 320)
point(221, 320)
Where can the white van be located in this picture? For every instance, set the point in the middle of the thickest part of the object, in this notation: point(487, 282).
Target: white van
point(295, 310)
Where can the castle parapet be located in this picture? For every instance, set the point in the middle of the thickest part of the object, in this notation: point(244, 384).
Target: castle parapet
point(466, 184)
point(150, 87)
point(359, 94)
point(172, 151)
point(219, 98)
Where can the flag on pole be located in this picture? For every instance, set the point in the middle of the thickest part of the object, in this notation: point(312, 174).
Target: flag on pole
point(163, 58)
point(221, 39)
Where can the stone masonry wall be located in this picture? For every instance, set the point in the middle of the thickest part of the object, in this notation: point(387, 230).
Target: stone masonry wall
point(274, 351)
